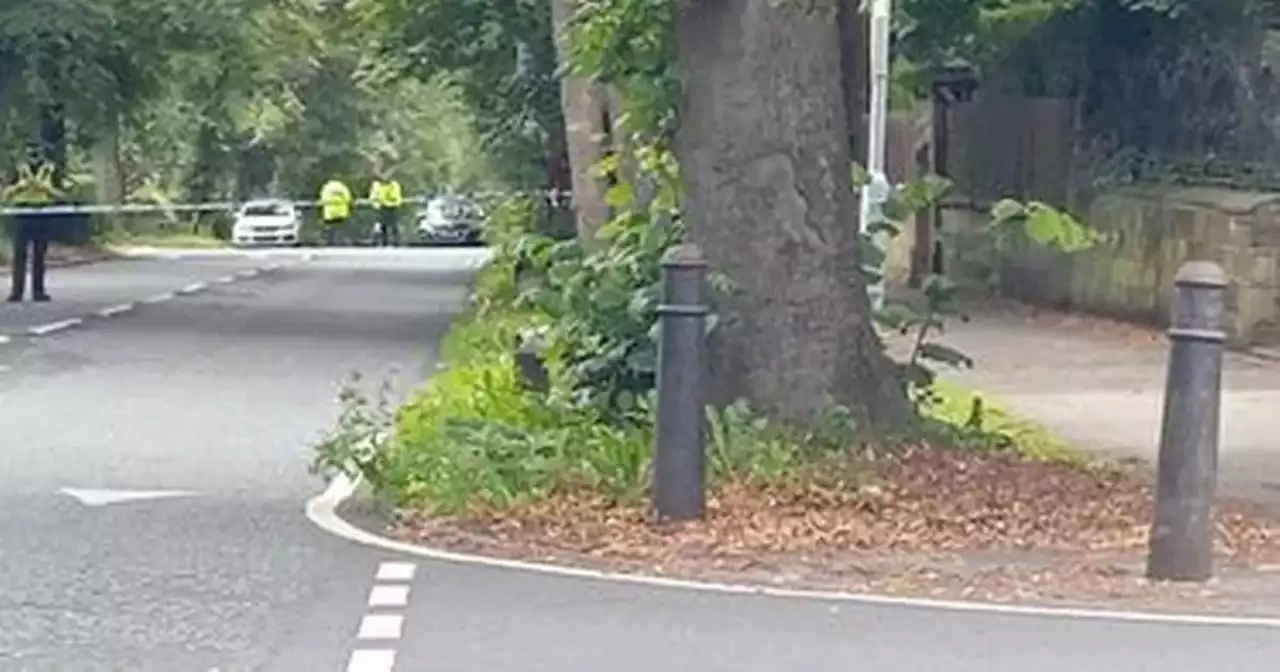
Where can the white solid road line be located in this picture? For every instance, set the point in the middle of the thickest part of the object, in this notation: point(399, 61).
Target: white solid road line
point(46, 329)
point(381, 626)
point(372, 660)
point(321, 510)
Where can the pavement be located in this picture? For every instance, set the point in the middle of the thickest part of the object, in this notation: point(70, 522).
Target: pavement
point(1101, 385)
point(153, 480)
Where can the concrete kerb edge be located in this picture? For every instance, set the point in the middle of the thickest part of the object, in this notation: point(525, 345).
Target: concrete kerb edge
point(321, 510)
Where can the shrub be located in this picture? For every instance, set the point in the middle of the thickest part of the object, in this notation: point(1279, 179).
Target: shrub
point(476, 436)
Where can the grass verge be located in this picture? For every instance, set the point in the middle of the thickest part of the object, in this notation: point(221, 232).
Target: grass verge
point(476, 459)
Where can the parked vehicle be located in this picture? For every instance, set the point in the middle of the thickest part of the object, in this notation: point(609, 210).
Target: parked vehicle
point(451, 219)
point(267, 222)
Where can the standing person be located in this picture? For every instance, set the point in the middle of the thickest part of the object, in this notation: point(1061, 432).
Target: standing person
point(33, 188)
point(335, 205)
point(388, 199)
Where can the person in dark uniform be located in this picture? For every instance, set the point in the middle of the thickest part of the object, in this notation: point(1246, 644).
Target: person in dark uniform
point(33, 188)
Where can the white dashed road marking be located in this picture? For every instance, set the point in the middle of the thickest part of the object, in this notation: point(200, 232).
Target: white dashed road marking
point(396, 571)
point(159, 298)
point(389, 596)
point(119, 309)
point(382, 624)
point(112, 311)
point(372, 660)
point(46, 329)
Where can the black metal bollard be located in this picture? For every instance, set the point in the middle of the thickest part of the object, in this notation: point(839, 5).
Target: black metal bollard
point(679, 461)
point(1181, 546)
point(530, 369)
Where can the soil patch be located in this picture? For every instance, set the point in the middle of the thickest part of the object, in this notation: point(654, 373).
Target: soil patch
point(925, 522)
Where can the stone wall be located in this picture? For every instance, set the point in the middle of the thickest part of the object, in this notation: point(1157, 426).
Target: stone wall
point(1152, 231)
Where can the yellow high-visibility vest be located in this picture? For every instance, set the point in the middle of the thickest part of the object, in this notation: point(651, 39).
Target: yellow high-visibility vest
point(32, 187)
point(335, 200)
point(386, 194)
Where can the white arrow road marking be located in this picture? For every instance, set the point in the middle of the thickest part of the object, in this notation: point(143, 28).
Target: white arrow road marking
point(93, 497)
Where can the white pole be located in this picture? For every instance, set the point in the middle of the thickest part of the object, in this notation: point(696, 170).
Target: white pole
point(876, 192)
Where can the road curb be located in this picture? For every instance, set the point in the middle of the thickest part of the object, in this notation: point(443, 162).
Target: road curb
point(322, 511)
point(116, 310)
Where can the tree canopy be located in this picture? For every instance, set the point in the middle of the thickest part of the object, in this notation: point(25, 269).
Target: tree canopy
point(219, 98)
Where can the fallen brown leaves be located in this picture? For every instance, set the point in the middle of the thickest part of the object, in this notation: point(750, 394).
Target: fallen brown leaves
point(931, 522)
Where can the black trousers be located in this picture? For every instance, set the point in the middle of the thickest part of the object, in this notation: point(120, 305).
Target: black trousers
point(335, 231)
point(389, 218)
point(29, 233)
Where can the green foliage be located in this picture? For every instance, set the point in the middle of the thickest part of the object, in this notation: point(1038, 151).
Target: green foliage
point(217, 99)
point(1038, 222)
point(475, 438)
point(631, 44)
point(1043, 224)
point(500, 56)
point(602, 296)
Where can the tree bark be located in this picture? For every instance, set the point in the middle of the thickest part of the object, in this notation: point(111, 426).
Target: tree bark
point(764, 154)
point(558, 221)
point(108, 174)
point(855, 73)
point(585, 103)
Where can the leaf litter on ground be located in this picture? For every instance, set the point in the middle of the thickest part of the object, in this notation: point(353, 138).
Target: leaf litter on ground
point(931, 521)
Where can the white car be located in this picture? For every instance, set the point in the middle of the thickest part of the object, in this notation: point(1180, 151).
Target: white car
point(450, 219)
point(267, 222)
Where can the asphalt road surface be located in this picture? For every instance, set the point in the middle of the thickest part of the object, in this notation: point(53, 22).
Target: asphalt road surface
point(153, 476)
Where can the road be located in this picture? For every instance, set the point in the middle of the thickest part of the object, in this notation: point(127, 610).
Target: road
point(212, 398)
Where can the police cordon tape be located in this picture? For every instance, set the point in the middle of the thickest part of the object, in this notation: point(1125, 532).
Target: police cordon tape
point(554, 197)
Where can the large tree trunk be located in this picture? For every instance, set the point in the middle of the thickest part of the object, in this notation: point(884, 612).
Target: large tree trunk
point(558, 221)
point(108, 174)
point(765, 162)
point(585, 104)
point(855, 73)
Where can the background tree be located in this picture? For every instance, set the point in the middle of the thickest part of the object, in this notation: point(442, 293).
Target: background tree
point(215, 99)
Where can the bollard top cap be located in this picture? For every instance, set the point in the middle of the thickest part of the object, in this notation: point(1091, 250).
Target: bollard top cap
point(1200, 274)
point(685, 254)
